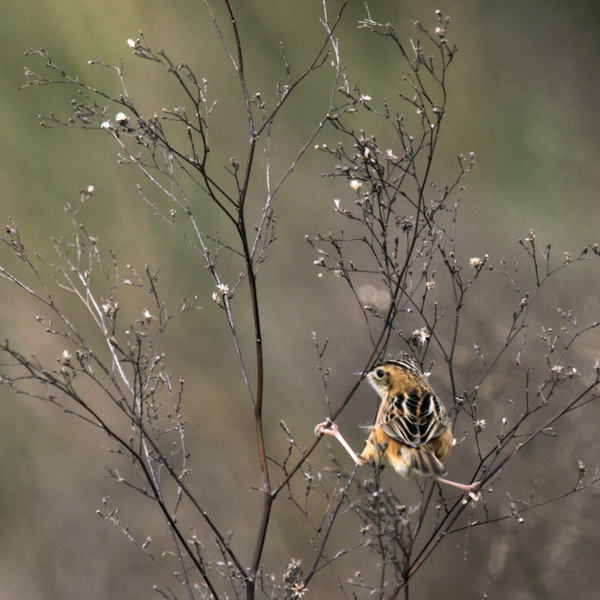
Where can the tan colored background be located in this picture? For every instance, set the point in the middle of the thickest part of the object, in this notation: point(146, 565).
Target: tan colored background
point(524, 97)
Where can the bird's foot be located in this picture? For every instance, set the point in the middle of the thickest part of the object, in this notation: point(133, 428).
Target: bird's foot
point(327, 428)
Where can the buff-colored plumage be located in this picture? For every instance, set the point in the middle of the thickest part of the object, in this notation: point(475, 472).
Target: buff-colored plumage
point(411, 430)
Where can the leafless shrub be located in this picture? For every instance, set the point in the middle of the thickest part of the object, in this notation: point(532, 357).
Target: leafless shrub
point(398, 254)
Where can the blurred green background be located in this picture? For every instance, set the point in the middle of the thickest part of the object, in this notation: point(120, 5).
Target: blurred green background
point(524, 94)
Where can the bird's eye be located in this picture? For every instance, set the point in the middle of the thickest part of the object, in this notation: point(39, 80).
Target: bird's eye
point(379, 373)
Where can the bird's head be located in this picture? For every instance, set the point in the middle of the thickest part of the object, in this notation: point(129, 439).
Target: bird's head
point(389, 374)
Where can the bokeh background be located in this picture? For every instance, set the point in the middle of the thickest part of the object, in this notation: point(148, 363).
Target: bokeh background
point(524, 97)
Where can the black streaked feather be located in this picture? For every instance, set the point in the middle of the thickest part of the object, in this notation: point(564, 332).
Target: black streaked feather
point(426, 463)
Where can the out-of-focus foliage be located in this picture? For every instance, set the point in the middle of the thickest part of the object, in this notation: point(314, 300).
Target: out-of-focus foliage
point(524, 98)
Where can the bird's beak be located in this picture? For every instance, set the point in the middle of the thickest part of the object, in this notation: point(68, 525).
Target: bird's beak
point(361, 373)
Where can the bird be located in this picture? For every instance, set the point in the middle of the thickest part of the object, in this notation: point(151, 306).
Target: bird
point(412, 429)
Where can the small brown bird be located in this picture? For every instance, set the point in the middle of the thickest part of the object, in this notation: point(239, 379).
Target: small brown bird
point(411, 429)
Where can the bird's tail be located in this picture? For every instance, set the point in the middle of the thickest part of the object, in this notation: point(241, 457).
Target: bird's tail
point(426, 463)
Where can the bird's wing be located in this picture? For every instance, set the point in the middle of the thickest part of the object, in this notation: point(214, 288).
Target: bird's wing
point(414, 419)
